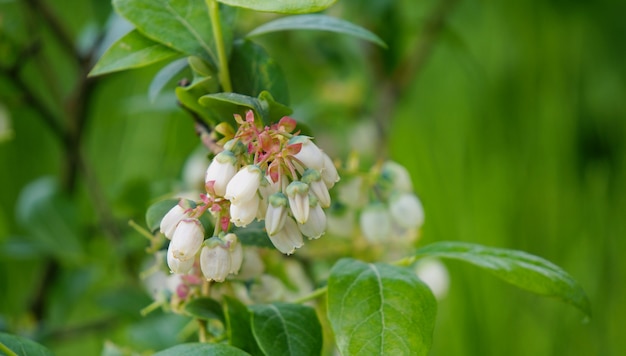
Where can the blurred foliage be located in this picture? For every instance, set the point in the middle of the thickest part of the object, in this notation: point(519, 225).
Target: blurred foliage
point(509, 116)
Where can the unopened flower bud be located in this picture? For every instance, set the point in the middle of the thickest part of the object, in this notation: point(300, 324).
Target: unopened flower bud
point(288, 238)
point(407, 211)
point(221, 171)
point(215, 260)
point(171, 220)
point(298, 195)
point(375, 222)
point(243, 186)
point(315, 226)
point(187, 239)
point(276, 213)
point(310, 155)
point(243, 213)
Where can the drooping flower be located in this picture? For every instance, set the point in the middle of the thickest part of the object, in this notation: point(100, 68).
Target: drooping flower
point(171, 220)
point(315, 226)
point(243, 213)
point(176, 265)
point(243, 186)
point(187, 239)
point(375, 222)
point(288, 238)
point(309, 155)
point(236, 253)
point(317, 186)
point(298, 195)
point(407, 211)
point(329, 172)
point(276, 213)
point(397, 175)
point(221, 171)
point(215, 261)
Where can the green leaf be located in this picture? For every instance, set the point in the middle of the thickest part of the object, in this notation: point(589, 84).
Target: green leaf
point(205, 308)
point(238, 326)
point(50, 219)
point(253, 235)
point(516, 267)
point(224, 105)
point(133, 50)
point(319, 23)
point(157, 211)
point(286, 329)
point(188, 97)
point(282, 6)
point(164, 76)
point(182, 25)
point(254, 71)
point(378, 309)
point(275, 110)
point(21, 346)
point(201, 349)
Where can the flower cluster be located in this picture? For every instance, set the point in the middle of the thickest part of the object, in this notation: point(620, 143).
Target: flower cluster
point(269, 174)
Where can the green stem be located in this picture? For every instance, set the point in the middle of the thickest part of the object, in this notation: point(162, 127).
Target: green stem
point(224, 75)
point(6, 350)
point(314, 294)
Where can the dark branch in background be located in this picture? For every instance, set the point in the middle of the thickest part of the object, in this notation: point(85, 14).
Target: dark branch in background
point(409, 69)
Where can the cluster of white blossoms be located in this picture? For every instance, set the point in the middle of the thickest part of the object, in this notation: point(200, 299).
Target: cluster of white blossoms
point(265, 174)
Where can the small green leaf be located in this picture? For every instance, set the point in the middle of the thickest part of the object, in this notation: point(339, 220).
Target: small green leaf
point(238, 326)
point(133, 50)
point(282, 6)
point(223, 106)
point(182, 25)
point(201, 349)
point(253, 235)
point(275, 110)
point(286, 329)
point(21, 346)
point(254, 71)
point(188, 97)
point(516, 267)
point(205, 308)
point(378, 309)
point(319, 23)
point(164, 76)
point(157, 211)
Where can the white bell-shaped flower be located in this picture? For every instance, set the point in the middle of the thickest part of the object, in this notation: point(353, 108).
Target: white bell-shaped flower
point(298, 195)
point(375, 222)
point(215, 260)
point(315, 226)
point(221, 170)
point(276, 213)
point(187, 239)
point(317, 186)
point(289, 238)
point(236, 252)
point(398, 176)
point(243, 186)
point(171, 220)
point(243, 213)
point(310, 155)
point(407, 211)
point(435, 274)
point(329, 172)
point(176, 265)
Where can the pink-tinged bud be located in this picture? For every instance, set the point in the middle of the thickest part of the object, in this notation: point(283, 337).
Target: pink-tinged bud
point(187, 239)
point(243, 213)
point(289, 238)
point(398, 176)
point(243, 186)
point(315, 226)
point(176, 265)
point(375, 222)
point(314, 179)
point(407, 211)
point(171, 220)
point(221, 171)
point(215, 262)
point(298, 194)
point(329, 172)
point(276, 213)
point(309, 155)
point(236, 253)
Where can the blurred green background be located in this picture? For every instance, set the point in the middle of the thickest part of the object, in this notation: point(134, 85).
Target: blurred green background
point(511, 118)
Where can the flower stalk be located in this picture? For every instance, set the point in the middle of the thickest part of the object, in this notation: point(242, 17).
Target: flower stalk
point(224, 74)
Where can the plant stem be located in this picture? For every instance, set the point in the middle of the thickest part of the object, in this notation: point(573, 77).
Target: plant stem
point(6, 350)
point(314, 294)
point(224, 75)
